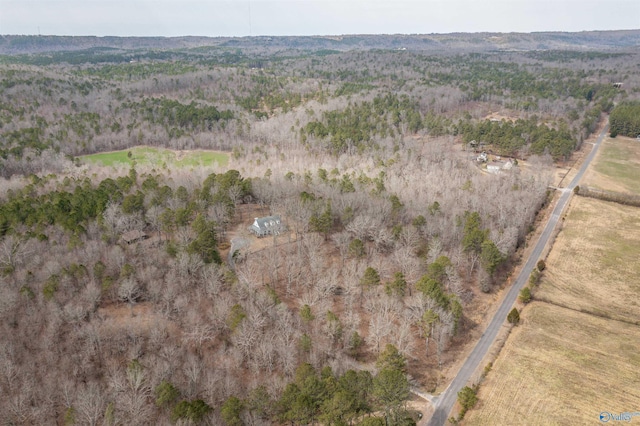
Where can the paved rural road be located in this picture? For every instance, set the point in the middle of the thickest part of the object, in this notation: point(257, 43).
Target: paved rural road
point(445, 401)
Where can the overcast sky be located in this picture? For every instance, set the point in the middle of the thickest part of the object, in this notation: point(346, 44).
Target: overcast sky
point(310, 17)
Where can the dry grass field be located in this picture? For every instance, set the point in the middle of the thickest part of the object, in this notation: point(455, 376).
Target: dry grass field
point(594, 265)
point(617, 166)
point(561, 367)
point(575, 353)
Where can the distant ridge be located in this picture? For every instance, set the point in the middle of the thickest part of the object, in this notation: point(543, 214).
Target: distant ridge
point(588, 40)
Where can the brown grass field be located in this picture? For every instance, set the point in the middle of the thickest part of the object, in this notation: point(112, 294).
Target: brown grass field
point(617, 166)
point(593, 266)
point(565, 364)
point(561, 367)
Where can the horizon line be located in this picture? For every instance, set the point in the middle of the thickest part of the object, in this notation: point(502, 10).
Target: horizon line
point(324, 35)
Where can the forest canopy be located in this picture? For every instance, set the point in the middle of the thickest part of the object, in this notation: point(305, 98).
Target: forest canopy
point(135, 293)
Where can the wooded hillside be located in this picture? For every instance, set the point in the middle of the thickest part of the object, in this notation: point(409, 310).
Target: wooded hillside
point(395, 241)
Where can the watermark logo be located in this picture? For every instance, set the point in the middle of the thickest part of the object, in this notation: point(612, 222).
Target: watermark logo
point(607, 416)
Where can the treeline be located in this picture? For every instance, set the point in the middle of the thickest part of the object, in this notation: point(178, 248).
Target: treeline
point(625, 120)
point(135, 70)
point(519, 138)
point(571, 55)
point(483, 78)
point(349, 398)
point(617, 197)
point(130, 64)
point(71, 209)
point(81, 127)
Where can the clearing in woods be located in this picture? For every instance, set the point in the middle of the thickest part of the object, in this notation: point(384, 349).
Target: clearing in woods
point(158, 157)
point(574, 354)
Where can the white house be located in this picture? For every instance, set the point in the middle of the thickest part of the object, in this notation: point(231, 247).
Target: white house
point(269, 225)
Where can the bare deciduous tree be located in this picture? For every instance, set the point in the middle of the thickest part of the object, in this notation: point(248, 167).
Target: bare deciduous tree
point(90, 404)
point(379, 327)
point(342, 240)
point(13, 251)
point(129, 291)
point(403, 339)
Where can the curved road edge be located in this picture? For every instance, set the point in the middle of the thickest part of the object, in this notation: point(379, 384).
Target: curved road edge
point(444, 402)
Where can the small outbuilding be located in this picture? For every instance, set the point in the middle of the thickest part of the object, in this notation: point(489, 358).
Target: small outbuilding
point(269, 225)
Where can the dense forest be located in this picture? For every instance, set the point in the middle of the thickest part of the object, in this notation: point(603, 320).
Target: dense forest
point(396, 238)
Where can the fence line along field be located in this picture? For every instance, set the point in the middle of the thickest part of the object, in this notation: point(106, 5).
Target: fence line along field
point(617, 166)
point(561, 367)
point(160, 157)
point(573, 355)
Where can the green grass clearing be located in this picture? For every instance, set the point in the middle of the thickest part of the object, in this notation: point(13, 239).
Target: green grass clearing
point(157, 157)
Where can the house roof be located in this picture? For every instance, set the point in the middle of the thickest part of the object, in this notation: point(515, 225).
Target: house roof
point(266, 222)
